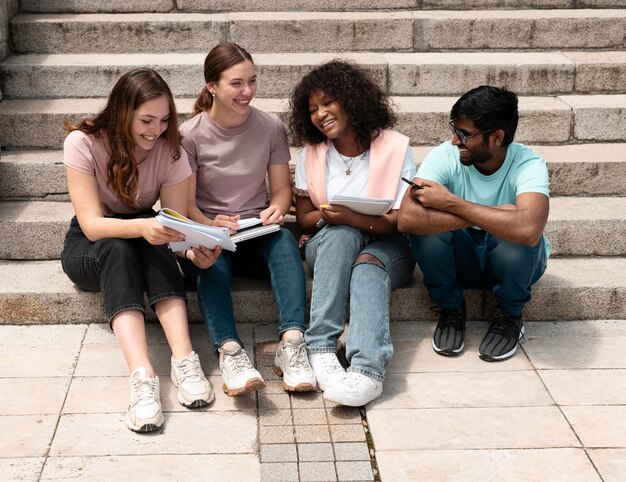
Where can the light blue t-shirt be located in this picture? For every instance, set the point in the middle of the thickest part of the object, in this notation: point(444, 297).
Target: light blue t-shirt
point(523, 171)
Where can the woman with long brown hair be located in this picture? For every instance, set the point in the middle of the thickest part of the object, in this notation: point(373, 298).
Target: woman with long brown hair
point(118, 164)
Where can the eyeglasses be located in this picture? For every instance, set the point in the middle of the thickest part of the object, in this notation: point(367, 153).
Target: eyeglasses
point(462, 136)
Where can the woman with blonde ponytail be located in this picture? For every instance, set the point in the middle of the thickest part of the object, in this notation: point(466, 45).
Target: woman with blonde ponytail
point(118, 164)
point(232, 146)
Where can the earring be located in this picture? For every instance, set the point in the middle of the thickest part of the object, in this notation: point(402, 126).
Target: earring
point(212, 94)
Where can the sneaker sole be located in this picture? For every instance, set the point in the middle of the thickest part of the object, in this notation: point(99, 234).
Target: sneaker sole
point(350, 402)
point(195, 403)
point(505, 356)
point(250, 386)
point(300, 387)
point(448, 352)
point(145, 428)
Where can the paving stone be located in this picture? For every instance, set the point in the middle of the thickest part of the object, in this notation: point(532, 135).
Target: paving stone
point(278, 453)
point(479, 465)
point(275, 417)
point(355, 471)
point(281, 472)
point(351, 451)
point(347, 433)
point(312, 434)
point(599, 426)
point(107, 435)
point(309, 416)
point(611, 463)
point(160, 467)
point(26, 435)
point(307, 400)
point(16, 468)
point(273, 401)
point(585, 387)
point(341, 414)
point(462, 389)
point(32, 396)
point(93, 6)
point(471, 428)
point(38, 361)
point(276, 434)
point(315, 452)
point(33, 335)
point(317, 471)
point(546, 353)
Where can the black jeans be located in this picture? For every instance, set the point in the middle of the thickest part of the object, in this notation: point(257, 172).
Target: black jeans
point(122, 269)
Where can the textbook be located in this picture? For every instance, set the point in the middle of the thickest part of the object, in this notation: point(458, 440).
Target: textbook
point(197, 234)
point(362, 205)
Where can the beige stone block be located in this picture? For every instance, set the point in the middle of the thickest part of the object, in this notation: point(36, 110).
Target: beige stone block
point(575, 353)
point(24, 469)
point(107, 435)
point(273, 434)
point(332, 31)
point(599, 71)
point(32, 396)
point(306, 400)
point(35, 335)
point(309, 416)
point(26, 435)
point(471, 428)
point(32, 174)
point(38, 361)
point(462, 389)
point(559, 464)
point(585, 387)
point(94, 6)
point(312, 433)
point(347, 433)
point(419, 356)
point(599, 427)
point(157, 468)
point(598, 117)
point(611, 463)
point(288, 5)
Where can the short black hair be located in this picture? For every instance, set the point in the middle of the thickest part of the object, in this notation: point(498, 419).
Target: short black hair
point(367, 105)
point(490, 108)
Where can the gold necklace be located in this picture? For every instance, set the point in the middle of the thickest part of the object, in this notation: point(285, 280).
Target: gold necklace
point(349, 161)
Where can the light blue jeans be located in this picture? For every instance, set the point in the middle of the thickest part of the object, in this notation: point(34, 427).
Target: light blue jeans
point(331, 255)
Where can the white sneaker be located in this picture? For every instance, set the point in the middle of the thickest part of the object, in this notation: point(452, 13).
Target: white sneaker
point(238, 374)
point(144, 412)
point(194, 390)
point(354, 390)
point(327, 369)
point(291, 362)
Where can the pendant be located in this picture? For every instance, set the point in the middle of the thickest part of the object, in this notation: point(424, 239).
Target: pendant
point(348, 172)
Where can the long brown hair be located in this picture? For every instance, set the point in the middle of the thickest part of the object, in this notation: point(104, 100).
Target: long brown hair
point(114, 123)
point(221, 57)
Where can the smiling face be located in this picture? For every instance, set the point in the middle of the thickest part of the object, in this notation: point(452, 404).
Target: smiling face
point(233, 91)
point(149, 121)
point(329, 116)
point(475, 150)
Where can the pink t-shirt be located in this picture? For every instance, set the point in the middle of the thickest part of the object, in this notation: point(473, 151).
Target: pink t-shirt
point(231, 164)
point(88, 154)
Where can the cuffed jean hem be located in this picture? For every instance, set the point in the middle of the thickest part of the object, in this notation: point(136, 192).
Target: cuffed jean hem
point(321, 349)
point(290, 326)
point(129, 307)
point(367, 373)
point(167, 296)
point(223, 340)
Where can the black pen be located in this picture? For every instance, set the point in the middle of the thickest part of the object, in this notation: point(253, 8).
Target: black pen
point(412, 184)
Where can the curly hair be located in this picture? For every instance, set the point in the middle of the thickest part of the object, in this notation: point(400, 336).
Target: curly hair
point(114, 124)
point(368, 107)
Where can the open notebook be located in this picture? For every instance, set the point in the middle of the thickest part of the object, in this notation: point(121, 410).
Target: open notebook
point(363, 205)
point(197, 234)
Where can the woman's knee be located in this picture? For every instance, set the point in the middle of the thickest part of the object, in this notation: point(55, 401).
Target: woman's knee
point(368, 258)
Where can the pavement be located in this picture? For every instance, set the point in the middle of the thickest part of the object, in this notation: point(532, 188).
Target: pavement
point(556, 411)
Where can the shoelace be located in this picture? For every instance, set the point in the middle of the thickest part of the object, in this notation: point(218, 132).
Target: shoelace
point(503, 325)
point(454, 316)
point(298, 358)
point(145, 390)
point(190, 368)
point(352, 379)
point(330, 362)
point(238, 361)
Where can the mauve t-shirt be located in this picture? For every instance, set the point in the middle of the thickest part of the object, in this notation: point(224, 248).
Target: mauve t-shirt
point(88, 153)
point(231, 164)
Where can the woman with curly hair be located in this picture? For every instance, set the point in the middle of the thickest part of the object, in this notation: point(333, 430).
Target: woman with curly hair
point(118, 164)
point(343, 118)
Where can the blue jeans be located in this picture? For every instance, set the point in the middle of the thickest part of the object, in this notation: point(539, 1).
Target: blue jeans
point(331, 255)
point(472, 258)
point(122, 269)
point(273, 255)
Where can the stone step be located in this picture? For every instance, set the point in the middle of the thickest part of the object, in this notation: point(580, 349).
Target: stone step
point(139, 6)
point(402, 30)
point(576, 227)
point(443, 73)
point(38, 292)
point(575, 170)
point(549, 120)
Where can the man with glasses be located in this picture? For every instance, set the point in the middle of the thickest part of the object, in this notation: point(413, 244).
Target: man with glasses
point(476, 220)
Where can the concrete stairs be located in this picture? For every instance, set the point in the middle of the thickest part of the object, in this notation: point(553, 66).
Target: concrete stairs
point(565, 58)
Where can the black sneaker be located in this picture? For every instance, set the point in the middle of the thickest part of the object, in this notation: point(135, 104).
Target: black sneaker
point(449, 335)
point(502, 337)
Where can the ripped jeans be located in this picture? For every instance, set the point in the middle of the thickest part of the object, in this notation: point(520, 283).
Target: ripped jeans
point(331, 255)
